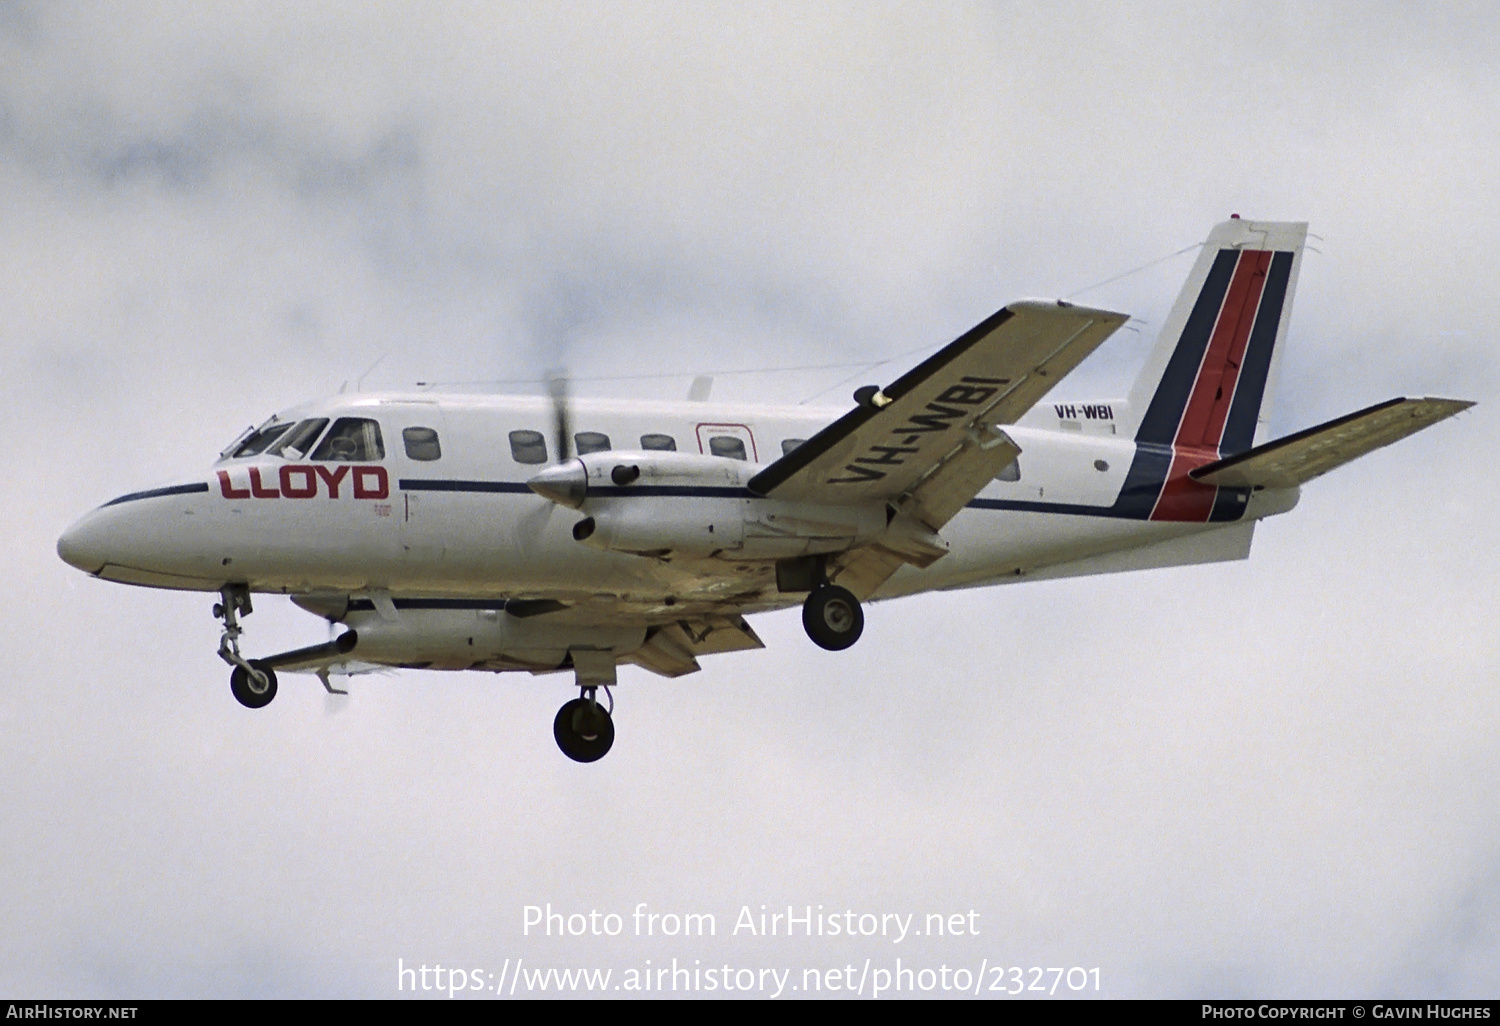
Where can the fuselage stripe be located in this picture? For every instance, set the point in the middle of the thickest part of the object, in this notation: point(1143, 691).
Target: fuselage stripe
point(408, 484)
point(595, 491)
point(156, 493)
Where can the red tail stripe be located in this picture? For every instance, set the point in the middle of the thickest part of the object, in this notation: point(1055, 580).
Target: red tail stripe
point(1208, 405)
point(1202, 426)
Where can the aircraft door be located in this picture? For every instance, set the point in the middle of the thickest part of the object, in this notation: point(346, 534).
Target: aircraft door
point(734, 441)
point(422, 447)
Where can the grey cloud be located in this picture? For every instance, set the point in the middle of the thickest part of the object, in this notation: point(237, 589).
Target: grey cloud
point(1272, 777)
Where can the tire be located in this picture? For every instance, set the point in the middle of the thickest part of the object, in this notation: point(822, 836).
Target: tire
point(832, 617)
point(579, 739)
point(243, 687)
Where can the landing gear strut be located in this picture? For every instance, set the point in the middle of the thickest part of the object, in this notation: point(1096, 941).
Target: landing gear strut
point(253, 685)
point(584, 729)
point(832, 617)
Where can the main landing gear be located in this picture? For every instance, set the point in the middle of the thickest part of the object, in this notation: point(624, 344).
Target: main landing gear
point(832, 617)
point(253, 684)
point(584, 729)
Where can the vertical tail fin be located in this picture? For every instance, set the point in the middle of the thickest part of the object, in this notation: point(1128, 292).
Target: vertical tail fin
point(1205, 384)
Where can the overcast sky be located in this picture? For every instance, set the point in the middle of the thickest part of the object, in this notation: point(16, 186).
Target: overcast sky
point(1266, 778)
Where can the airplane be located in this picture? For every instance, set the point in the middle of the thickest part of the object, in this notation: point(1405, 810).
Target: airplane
point(548, 534)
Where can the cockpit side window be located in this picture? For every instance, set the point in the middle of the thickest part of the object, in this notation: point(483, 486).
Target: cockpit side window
point(295, 443)
point(258, 442)
point(352, 440)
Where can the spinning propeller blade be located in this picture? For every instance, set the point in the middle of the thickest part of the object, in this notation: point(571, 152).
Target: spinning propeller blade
point(557, 388)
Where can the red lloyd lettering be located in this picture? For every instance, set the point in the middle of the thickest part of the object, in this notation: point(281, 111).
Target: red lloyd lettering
point(364, 490)
point(332, 479)
point(259, 490)
point(300, 481)
point(228, 490)
point(305, 489)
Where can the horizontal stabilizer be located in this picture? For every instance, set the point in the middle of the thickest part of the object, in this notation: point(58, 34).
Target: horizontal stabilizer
point(1299, 458)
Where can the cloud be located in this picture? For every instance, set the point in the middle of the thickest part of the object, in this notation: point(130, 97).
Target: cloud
point(1272, 777)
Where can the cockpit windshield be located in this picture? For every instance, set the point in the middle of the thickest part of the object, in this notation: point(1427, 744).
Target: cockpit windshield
point(296, 443)
point(352, 438)
point(259, 440)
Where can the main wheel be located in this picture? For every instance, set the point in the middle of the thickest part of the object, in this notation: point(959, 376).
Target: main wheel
point(584, 731)
point(832, 617)
point(249, 691)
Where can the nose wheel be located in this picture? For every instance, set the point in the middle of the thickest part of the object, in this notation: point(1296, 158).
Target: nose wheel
point(252, 684)
point(832, 617)
point(253, 690)
point(583, 728)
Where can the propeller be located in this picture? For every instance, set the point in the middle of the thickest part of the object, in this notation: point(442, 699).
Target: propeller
point(566, 481)
point(557, 388)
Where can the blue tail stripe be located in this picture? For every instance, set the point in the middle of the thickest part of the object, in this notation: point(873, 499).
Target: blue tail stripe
point(1230, 504)
point(1239, 429)
point(1162, 417)
point(1143, 481)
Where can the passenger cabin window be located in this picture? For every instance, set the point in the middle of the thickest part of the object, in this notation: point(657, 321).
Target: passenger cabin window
point(258, 442)
point(528, 447)
point(591, 441)
point(1012, 471)
point(352, 440)
point(296, 443)
point(791, 445)
point(421, 444)
point(661, 443)
point(727, 445)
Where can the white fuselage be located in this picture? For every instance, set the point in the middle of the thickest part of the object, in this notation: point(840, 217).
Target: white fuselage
point(465, 524)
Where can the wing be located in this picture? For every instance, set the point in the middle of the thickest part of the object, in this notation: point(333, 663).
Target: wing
point(914, 429)
point(930, 441)
point(1305, 455)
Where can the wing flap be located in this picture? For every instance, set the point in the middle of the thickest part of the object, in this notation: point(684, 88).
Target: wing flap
point(672, 649)
point(1299, 458)
point(990, 376)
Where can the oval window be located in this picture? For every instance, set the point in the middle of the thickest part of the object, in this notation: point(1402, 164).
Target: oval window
point(591, 441)
point(421, 443)
point(728, 446)
point(528, 447)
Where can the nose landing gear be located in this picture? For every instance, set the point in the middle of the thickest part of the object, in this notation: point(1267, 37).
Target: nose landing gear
point(253, 685)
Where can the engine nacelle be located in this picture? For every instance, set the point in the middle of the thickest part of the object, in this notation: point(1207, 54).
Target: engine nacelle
point(672, 505)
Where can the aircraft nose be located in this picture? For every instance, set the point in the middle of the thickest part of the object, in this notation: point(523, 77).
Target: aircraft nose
point(83, 544)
